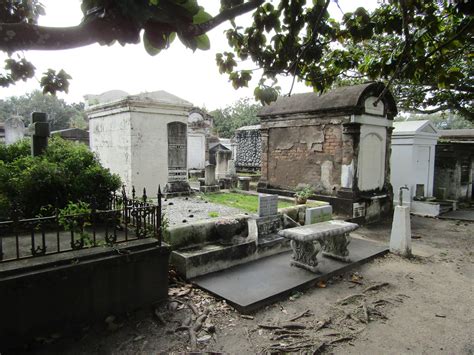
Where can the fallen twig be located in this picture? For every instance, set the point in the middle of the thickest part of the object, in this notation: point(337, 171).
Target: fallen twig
point(193, 308)
point(304, 314)
point(246, 316)
point(196, 328)
point(283, 326)
point(269, 326)
point(375, 287)
point(366, 313)
point(293, 326)
point(349, 299)
point(378, 313)
point(322, 324)
point(381, 301)
point(285, 331)
point(346, 338)
point(284, 336)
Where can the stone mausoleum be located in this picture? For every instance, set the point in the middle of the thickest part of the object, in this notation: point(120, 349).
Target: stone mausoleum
point(142, 138)
point(338, 142)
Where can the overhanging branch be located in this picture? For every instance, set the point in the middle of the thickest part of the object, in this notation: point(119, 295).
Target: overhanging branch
point(197, 30)
point(23, 36)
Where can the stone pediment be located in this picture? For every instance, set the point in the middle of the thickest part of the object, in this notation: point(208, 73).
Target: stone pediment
point(417, 127)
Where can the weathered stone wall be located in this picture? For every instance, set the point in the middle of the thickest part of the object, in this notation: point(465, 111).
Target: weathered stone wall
point(110, 139)
point(319, 145)
point(249, 149)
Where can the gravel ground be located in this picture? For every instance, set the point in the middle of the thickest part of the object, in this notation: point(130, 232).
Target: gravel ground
point(194, 208)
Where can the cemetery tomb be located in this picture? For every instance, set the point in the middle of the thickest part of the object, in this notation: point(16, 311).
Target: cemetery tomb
point(73, 134)
point(249, 148)
point(412, 164)
point(454, 165)
point(14, 130)
point(214, 147)
point(338, 143)
point(142, 138)
point(199, 127)
point(222, 163)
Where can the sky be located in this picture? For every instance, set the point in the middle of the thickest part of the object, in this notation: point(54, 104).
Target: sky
point(177, 70)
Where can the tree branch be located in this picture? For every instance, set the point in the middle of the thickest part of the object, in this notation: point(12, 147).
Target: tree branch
point(429, 112)
point(199, 29)
point(24, 36)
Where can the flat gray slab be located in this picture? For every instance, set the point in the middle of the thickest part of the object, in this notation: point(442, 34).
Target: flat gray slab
point(462, 215)
point(253, 285)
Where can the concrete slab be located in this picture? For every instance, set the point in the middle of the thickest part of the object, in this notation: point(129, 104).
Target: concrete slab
point(259, 283)
point(460, 215)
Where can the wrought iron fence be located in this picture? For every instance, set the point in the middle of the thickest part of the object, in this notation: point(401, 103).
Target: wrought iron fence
point(127, 218)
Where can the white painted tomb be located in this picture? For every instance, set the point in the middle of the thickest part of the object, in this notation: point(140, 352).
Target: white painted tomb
point(412, 163)
point(142, 138)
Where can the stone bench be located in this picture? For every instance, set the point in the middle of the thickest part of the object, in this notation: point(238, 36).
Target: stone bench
point(332, 237)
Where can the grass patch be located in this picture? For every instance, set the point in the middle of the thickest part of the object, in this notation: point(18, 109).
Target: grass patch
point(316, 203)
point(247, 203)
point(213, 214)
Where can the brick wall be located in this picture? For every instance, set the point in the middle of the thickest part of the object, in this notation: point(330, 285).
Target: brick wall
point(306, 155)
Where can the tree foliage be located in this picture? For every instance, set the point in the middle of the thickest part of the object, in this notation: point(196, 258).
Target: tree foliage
point(67, 172)
point(241, 113)
point(441, 120)
point(60, 114)
point(424, 48)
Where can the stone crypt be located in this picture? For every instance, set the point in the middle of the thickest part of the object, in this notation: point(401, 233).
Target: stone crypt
point(338, 143)
point(142, 138)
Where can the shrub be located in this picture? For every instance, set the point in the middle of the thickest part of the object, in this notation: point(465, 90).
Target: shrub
point(9, 153)
point(304, 193)
point(67, 172)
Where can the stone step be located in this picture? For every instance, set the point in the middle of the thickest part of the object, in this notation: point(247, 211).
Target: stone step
point(212, 257)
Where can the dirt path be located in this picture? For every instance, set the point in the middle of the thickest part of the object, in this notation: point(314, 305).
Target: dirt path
point(422, 305)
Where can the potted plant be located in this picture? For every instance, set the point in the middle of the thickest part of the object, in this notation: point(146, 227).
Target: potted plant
point(302, 195)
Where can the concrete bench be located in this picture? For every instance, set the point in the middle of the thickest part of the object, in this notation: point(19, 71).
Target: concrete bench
point(332, 237)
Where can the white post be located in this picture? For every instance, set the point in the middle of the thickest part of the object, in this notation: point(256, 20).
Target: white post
point(400, 238)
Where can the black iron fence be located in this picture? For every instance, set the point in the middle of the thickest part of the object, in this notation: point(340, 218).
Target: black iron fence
point(127, 218)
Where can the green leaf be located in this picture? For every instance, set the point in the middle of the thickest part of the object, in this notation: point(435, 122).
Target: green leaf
point(188, 42)
point(203, 42)
point(191, 6)
point(201, 17)
point(149, 47)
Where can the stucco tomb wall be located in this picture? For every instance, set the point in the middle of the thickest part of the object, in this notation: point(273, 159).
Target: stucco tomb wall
point(196, 150)
point(110, 139)
point(149, 141)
